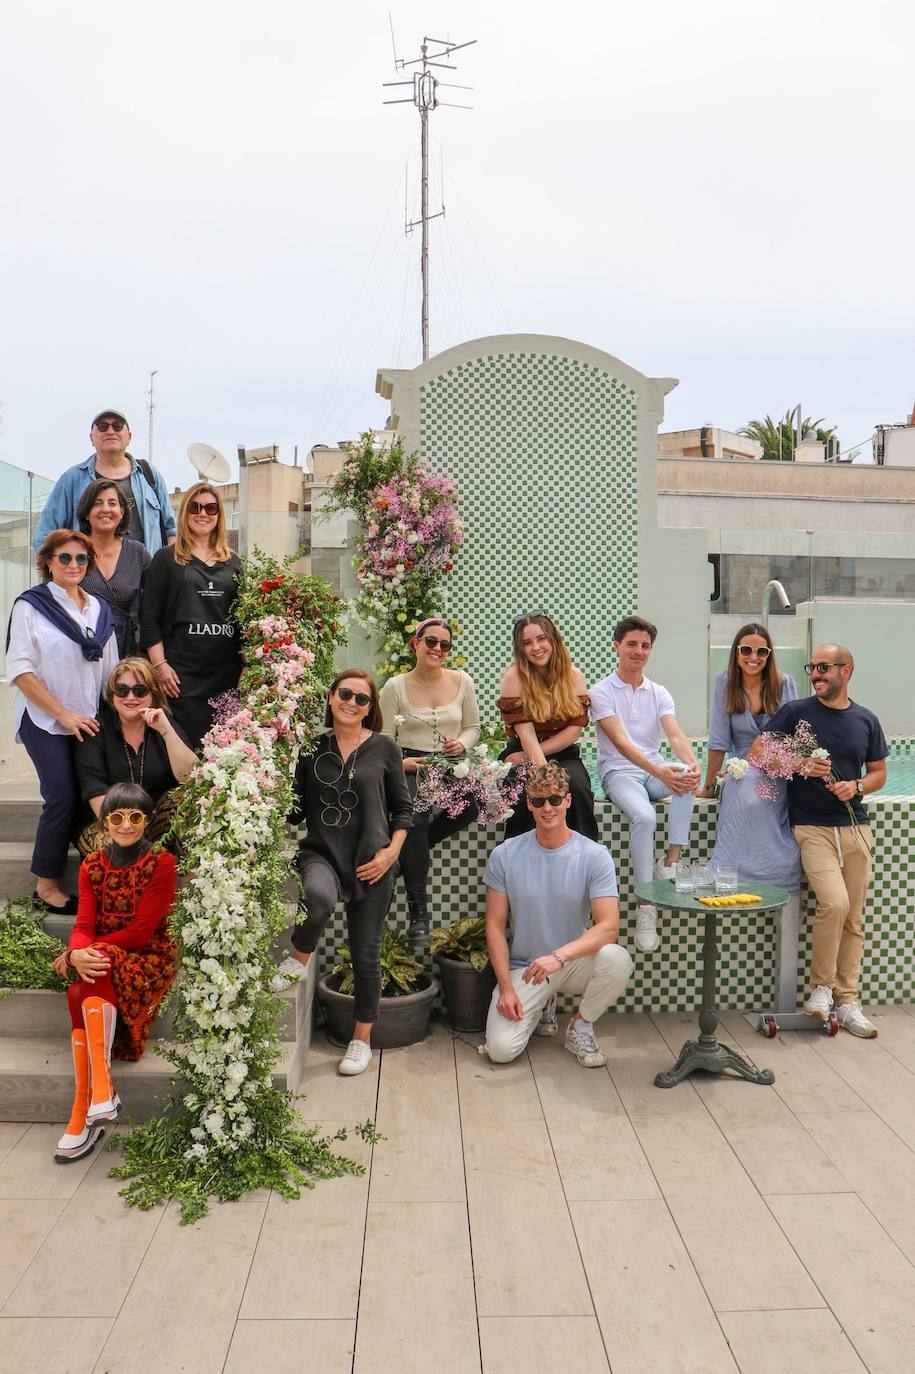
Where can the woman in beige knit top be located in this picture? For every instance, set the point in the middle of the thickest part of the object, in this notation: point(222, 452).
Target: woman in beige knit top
point(431, 709)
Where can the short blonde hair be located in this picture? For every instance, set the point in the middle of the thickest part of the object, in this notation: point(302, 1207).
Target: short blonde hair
point(547, 775)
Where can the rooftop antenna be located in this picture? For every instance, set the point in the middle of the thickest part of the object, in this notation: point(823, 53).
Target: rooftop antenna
point(425, 97)
point(152, 407)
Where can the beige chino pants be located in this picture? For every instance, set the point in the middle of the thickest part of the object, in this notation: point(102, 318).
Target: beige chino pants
point(841, 890)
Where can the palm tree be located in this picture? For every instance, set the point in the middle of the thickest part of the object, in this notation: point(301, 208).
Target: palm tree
point(777, 437)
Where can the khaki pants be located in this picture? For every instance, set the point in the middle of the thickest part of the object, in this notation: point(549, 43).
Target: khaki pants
point(841, 890)
point(600, 978)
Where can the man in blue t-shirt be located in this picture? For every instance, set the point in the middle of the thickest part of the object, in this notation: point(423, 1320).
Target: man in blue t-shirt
point(823, 796)
point(546, 882)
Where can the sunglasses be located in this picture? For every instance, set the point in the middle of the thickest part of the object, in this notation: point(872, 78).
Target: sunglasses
point(203, 508)
point(747, 651)
point(65, 559)
point(554, 799)
point(347, 694)
point(811, 668)
point(103, 426)
point(431, 642)
point(135, 689)
point(119, 818)
point(530, 615)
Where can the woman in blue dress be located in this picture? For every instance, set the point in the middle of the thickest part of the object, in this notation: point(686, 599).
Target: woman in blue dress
point(753, 834)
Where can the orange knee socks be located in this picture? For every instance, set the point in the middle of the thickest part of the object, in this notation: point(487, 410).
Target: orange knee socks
point(100, 1018)
point(77, 1123)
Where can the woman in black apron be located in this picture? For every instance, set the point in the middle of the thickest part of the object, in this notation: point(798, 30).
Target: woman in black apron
point(187, 627)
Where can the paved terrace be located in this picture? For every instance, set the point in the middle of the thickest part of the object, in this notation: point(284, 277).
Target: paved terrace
point(529, 1217)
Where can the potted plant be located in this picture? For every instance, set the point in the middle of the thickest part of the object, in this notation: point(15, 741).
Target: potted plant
point(407, 996)
point(466, 973)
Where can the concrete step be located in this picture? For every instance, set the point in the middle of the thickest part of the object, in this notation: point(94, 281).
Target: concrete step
point(36, 1080)
point(18, 819)
point(42, 1014)
point(16, 876)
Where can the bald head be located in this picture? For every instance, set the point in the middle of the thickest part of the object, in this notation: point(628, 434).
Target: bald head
point(834, 653)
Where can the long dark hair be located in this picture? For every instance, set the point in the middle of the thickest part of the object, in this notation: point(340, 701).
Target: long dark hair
point(735, 698)
point(373, 719)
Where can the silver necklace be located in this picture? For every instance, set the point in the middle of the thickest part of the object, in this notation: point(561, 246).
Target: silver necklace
point(337, 802)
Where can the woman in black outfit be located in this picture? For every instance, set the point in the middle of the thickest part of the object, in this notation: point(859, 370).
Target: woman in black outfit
point(352, 795)
point(186, 626)
point(119, 569)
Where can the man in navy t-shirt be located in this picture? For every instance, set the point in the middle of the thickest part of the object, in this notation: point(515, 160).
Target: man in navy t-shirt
point(835, 852)
point(549, 881)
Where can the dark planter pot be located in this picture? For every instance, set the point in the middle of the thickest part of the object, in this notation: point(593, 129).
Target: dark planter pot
point(467, 991)
point(401, 1020)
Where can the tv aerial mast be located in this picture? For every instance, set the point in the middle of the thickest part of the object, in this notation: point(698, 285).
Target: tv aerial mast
point(425, 97)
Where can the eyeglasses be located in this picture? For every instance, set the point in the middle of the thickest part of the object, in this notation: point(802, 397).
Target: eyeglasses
point(747, 651)
point(347, 694)
point(529, 615)
point(203, 508)
point(136, 689)
point(65, 559)
point(119, 818)
point(553, 800)
point(103, 426)
point(811, 668)
point(431, 642)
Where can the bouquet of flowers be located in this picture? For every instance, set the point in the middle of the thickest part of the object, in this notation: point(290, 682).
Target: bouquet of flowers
point(478, 777)
point(736, 768)
point(783, 756)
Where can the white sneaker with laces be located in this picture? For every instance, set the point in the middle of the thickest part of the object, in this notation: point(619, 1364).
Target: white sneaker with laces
point(851, 1018)
point(289, 971)
point(663, 870)
point(819, 1003)
point(356, 1060)
point(585, 1048)
point(647, 938)
point(548, 1025)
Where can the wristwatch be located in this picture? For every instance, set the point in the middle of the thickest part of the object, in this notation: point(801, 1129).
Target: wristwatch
point(859, 783)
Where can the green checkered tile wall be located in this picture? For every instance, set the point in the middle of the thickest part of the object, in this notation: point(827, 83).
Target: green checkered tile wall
point(543, 450)
point(671, 979)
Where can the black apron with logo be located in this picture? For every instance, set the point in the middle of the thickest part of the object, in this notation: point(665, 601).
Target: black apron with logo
point(203, 643)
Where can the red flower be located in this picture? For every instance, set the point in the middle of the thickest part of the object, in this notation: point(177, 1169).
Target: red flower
point(270, 584)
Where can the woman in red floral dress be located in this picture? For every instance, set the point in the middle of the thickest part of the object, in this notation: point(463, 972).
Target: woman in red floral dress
point(124, 958)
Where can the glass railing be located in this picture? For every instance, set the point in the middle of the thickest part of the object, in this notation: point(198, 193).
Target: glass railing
point(22, 499)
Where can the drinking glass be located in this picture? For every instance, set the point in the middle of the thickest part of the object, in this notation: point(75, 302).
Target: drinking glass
point(726, 880)
point(684, 877)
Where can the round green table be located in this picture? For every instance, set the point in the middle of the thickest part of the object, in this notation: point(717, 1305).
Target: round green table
point(706, 1053)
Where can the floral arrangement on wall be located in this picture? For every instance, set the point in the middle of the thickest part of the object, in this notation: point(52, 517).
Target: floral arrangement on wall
point(233, 1130)
point(410, 534)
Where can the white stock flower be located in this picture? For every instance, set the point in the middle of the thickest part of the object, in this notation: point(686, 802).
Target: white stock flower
point(737, 768)
point(460, 770)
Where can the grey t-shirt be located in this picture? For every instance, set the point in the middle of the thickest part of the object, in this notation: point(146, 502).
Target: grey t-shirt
point(549, 890)
point(135, 528)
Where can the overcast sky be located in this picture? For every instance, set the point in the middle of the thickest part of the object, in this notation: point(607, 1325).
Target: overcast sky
point(717, 192)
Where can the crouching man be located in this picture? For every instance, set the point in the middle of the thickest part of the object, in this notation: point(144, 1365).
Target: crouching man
point(546, 882)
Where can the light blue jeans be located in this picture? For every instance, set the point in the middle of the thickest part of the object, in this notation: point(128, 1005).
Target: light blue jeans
point(634, 792)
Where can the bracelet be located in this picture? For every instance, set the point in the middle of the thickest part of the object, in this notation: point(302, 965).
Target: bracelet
point(163, 663)
point(557, 955)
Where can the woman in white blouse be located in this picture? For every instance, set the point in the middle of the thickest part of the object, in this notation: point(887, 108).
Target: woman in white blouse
point(430, 710)
point(61, 647)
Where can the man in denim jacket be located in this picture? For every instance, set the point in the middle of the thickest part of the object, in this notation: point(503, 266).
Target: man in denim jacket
point(152, 520)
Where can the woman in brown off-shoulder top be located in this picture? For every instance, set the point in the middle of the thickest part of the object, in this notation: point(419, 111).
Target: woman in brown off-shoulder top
point(544, 705)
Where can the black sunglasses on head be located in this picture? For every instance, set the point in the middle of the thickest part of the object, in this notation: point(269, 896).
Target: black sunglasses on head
point(136, 689)
point(554, 799)
point(530, 615)
point(347, 694)
point(103, 426)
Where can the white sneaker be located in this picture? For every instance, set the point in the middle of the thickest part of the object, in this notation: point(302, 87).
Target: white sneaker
point(548, 1025)
point(289, 971)
point(357, 1058)
point(851, 1018)
point(663, 870)
point(584, 1047)
point(647, 938)
point(819, 1003)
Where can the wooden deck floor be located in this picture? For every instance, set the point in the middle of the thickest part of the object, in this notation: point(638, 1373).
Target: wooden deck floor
point(535, 1216)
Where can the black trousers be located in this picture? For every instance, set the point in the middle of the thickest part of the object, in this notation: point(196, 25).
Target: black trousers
point(364, 921)
point(581, 812)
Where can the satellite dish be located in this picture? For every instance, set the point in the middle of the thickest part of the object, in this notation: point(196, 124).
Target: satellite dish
point(209, 462)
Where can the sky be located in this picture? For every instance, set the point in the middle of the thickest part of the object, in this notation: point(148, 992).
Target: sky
point(715, 192)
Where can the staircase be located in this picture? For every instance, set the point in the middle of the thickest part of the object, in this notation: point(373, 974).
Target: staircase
point(36, 1071)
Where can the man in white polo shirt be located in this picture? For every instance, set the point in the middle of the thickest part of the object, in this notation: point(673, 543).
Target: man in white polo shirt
point(630, 712)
